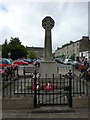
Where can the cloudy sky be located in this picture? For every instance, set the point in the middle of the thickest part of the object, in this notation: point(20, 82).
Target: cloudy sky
point(24, 20)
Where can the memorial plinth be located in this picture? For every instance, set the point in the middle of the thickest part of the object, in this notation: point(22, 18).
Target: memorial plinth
point(48, 66)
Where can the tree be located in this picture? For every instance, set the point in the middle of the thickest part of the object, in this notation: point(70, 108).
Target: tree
point(5, 43)
point(32, 55)
point(15, 48)
point(5, 49)
point(14, 41)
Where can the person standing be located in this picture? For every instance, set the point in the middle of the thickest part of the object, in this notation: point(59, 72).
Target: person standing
point(86, 66)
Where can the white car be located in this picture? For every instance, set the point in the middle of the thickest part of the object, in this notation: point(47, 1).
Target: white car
point(68, 61)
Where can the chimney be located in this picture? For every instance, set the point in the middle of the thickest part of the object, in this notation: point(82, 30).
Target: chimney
point(85, 37)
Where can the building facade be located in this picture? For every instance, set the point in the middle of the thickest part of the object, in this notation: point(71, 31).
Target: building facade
point(74, 49)
point(39, 51)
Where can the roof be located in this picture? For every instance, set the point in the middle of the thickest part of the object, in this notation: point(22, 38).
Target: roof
point(71, 42)
point(34, 48)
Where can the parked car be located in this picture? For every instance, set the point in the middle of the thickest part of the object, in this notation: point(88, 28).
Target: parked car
point(78, 65)
point(5, 62)
point(58, 60)
point(37, 62)
point(28, 60)
point(68, 61)
point(20, 62)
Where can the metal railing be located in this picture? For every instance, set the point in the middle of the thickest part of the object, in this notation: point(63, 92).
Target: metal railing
point(61, 91)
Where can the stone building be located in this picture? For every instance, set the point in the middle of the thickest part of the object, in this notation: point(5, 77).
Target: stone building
point(38, 50)
point(74, 49)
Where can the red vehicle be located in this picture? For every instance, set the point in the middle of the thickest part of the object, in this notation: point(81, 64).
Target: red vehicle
point(20, 62)
point(77, 65)
point(4, 65)
point(5, 62)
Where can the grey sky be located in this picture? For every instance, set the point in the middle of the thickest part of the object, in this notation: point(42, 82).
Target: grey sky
point(24, 20)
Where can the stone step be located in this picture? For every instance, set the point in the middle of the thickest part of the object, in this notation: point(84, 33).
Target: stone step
point(53, 110)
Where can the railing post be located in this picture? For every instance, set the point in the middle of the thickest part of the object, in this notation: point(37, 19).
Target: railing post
point(73, 69)
point(70, 90)
point(35, 92)
point(24, 71)
point(80, 84)
point(17, 73)
point(3, 90)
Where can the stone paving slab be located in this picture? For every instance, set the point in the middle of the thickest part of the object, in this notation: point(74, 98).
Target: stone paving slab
point(80, 113)
point(46, 115)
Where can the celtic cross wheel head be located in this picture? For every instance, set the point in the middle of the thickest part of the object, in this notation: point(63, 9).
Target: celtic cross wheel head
point(48, 23)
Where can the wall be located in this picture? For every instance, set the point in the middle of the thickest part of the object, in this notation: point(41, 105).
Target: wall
point(85, 44)
point(64, 69)
point(17, 103)
point(81, 102)
point(38, 50)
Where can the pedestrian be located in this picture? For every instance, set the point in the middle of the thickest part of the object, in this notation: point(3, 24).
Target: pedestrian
point(85, 61)
point(86, 66)
point(88, 75)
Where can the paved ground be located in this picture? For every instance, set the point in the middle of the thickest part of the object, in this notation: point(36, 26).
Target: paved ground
point(79, 113)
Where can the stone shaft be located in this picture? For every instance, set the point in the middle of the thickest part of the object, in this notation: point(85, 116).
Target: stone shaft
point(48, 46)
point(48, 24)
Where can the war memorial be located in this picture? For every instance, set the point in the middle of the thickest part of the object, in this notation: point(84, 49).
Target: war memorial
point(48, 66)
point(25, 96)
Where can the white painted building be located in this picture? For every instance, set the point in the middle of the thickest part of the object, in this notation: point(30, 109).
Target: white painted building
point(74, 49)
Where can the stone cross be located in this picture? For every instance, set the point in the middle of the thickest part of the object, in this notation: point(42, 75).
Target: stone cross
point(48, 24)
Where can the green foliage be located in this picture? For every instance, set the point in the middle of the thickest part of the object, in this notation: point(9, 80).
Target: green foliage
point(4, 51)
point(32, 55)
point(5, 43)
point(15, 48)
point(14, 41)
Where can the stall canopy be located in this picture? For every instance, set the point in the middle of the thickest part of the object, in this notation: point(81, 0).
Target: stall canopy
point(70, 56)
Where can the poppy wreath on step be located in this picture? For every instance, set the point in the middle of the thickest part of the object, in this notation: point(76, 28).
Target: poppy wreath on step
point(48, 87)
point(38, 86)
